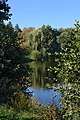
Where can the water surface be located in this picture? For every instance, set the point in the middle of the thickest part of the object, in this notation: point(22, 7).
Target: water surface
point(40, 78)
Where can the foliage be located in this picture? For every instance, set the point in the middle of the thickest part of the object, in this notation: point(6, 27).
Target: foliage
point(35, 55)
point(68, 70)
point(45, 113)
point(14, 75)
point(7, 114)
point(36, 112)
point(41, 40)
point(4, 10)
point(10, 114)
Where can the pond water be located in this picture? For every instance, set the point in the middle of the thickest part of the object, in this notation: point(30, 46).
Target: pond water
point(40, 78)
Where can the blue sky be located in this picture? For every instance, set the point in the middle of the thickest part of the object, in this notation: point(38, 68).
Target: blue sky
point(35, 13)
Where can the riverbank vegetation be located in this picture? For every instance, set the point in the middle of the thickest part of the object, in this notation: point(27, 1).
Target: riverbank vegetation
point(45, 43)
point(68, 70)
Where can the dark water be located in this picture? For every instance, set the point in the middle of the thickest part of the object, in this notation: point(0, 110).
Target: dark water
point(40, 78)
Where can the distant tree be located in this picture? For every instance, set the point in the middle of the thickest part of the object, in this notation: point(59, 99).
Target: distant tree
point(17, 28)
point(64, 37)
point(49, 39)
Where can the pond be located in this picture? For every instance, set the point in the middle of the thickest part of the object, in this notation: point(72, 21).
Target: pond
point(41, 78)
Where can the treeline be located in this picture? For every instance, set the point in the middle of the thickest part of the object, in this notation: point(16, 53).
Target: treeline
point(43, 42)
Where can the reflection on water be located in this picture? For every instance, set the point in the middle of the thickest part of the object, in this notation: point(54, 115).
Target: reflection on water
point(40, 77)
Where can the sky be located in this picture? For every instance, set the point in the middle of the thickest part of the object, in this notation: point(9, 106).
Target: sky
point(35, 13)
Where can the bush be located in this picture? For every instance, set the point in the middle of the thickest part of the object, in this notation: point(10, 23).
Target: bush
point(36, 112)
point(69, 69)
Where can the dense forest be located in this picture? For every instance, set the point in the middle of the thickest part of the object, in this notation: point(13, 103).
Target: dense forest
point(19, 46)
